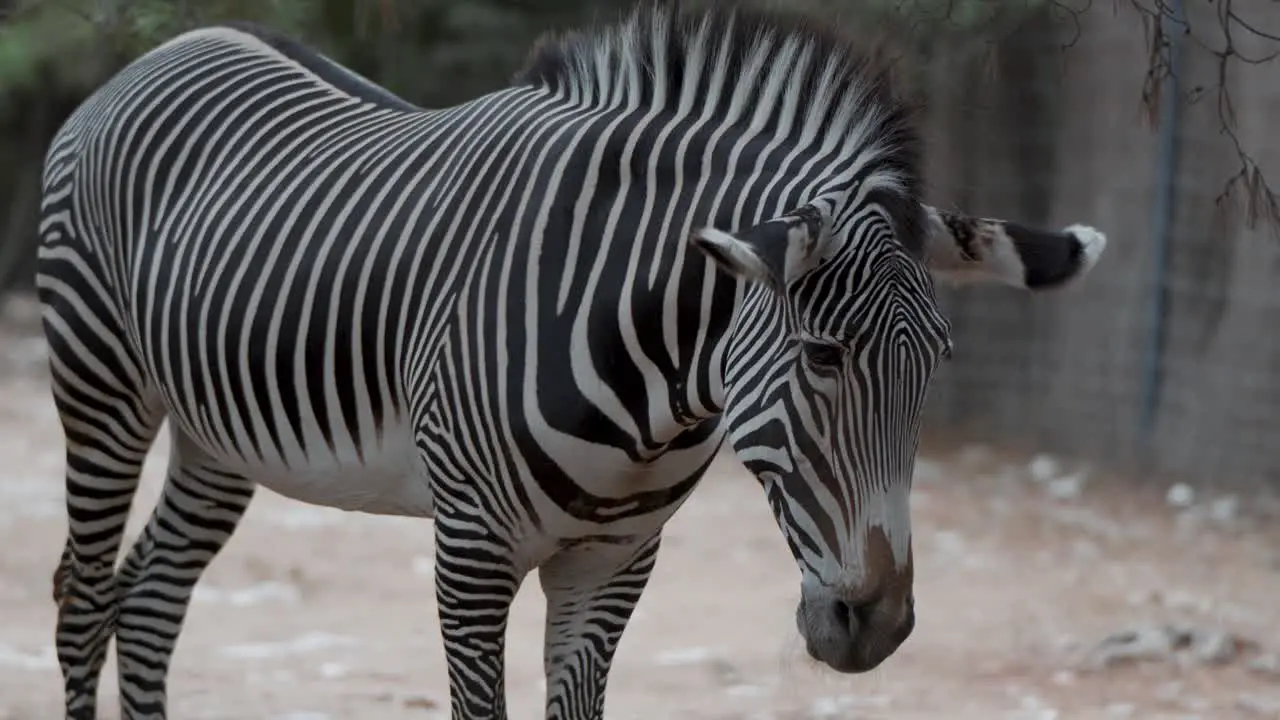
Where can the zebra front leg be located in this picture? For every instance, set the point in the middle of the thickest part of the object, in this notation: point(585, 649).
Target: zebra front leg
point(198, 511)
point(476, 581)
point(591, 592)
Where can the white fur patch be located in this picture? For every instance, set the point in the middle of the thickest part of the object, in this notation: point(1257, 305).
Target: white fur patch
point(742, 259)
point(1092, 241)
point(1002, 263)
point(997, 258)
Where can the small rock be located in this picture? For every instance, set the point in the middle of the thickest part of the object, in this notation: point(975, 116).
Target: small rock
point(1215, 648)
point(725, 672)
point(1225, 510)
point(1043, 468)
point(1067, 488)
point(1180, 495)
point(1155, 643)
point(1259, 705)
point(1163, 643)
point(1033, 707)
point(1120, 711)
point(684, 656)
point(420, 702)
point(1266, 665)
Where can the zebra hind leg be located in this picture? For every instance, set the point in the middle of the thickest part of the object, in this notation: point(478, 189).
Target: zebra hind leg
point(591, 591)
point(109, 418)
point(198, 511)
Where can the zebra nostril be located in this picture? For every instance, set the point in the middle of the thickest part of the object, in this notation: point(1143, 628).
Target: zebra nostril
point(845, 615)
point(850, 616)
point(841, 609)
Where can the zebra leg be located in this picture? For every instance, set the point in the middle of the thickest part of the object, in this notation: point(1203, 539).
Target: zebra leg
point(110, 419)
point(476, 581)
point(591, 591)
point(195, 516)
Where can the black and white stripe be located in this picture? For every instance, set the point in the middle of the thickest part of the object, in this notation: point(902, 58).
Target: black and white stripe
point(524, 316)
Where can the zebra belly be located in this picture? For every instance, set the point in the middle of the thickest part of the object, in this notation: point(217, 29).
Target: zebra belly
point(385, 479)
point(380, 490)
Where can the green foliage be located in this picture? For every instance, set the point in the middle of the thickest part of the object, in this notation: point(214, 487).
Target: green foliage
point(34, 35)
point(76, 44)
point(17, 58)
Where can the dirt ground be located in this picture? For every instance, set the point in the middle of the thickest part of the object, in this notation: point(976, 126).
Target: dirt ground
point(313, 614)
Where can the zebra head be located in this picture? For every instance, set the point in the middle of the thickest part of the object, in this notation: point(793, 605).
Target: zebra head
point(818, 219)
point(826, 373)
point(798, 162)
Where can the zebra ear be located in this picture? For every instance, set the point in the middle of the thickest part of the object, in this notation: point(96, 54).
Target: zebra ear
point(775, 252)
point(965, 250)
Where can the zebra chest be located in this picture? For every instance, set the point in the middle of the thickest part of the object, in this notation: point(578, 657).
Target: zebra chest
point(624, 499)
point(584, 486)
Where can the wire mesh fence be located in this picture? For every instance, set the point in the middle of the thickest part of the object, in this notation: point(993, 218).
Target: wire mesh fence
point(1168, 353)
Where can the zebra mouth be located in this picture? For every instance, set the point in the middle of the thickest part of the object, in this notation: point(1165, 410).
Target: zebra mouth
point(847, 638)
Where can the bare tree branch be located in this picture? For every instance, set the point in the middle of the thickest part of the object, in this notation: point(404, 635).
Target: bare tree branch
point(1220, 37)
point(1247, 187)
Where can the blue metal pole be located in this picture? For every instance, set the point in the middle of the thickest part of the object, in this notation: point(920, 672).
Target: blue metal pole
point(1163, 209)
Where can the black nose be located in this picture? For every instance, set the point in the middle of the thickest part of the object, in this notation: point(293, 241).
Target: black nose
point(854, 637)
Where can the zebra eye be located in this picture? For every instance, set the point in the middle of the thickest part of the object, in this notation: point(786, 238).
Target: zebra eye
point(823, 355)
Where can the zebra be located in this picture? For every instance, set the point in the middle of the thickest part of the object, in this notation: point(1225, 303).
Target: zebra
point(534, 317)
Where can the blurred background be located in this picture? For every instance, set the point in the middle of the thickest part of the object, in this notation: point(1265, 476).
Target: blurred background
point(1096, 506)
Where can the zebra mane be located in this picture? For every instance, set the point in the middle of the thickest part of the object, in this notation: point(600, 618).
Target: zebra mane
point(739, 62)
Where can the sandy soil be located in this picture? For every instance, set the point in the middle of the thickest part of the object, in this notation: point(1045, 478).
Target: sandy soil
point(313, 614)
